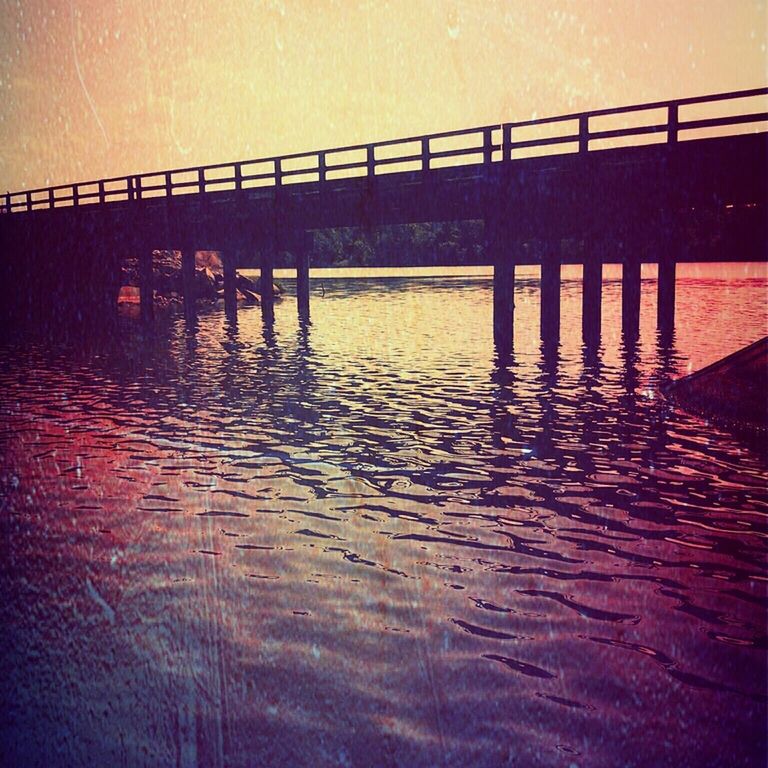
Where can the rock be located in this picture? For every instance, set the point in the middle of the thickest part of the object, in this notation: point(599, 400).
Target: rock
point(167, 277)
point(277, 289)
point(210, 260)
point(245, 283)
point(250, 296)
point(168, 261)
point(205, 284)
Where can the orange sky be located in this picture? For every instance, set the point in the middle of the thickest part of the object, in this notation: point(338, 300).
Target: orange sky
point(93, 88)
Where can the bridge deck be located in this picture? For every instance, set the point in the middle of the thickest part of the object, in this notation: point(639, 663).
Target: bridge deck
point(644, 182)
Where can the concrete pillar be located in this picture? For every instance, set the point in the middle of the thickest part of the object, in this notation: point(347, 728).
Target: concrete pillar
point(550, 292)
point(665, 314)
point(302, 274)
point(230, 283)
point(504, 297)
point(188, 281)
point(630, 297)
point(146, 285)
point(266, 280)
point(591, 297)
point(500, 255)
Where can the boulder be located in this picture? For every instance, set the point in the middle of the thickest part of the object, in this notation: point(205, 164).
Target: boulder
point(245, 283)
point(277, 289)
point(168, 282)
point(209, 260)
point(249, 296)
point(205, 284)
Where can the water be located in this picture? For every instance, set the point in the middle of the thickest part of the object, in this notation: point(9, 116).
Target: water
point(362, 541)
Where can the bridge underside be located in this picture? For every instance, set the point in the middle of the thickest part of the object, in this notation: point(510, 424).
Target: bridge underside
point(692, 201)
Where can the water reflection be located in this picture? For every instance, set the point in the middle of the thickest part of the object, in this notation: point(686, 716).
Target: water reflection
point(276, 541)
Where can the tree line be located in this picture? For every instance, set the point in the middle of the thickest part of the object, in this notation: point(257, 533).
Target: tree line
point(453, 243)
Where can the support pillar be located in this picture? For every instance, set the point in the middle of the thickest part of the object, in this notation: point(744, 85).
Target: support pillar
point(230, 284)
point(504, 298)
point(266, 281)
point(550, 293)
point(630, 297)
point(665, 314)
point(591, 298)
point(302, 274)
point(146, 285)
point(498, 252)
point(188, 281)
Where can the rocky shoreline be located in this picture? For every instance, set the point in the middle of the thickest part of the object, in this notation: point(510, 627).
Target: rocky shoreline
point(168, 286)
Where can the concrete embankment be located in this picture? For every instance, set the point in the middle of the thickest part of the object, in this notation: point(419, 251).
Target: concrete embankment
point(733, 392)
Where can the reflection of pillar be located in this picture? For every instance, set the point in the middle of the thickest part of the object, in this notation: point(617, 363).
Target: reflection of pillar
point(146, 285)
point(302, 273)
point(630, 296)
point(230, 284)
point(188, 280)
point(591, 297)
point(544, 443)
point(631, 372)
point(497, 246)
point(550, 292)
point(665, 314)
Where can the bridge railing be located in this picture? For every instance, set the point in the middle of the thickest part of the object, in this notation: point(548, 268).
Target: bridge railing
point(656, 122)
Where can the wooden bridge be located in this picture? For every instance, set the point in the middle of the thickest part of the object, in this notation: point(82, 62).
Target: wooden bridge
point(680, 180)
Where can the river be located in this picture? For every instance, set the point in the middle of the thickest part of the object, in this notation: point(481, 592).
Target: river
point(365, 541)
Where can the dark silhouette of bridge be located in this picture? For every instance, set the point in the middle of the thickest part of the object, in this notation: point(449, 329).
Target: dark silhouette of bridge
point(664, 182)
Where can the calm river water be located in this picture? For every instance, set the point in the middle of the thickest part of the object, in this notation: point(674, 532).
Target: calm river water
point(365, 542)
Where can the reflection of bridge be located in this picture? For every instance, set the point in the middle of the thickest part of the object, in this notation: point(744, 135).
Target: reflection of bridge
point(662, 182)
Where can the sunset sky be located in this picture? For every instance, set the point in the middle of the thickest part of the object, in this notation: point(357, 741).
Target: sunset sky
point(94, 88)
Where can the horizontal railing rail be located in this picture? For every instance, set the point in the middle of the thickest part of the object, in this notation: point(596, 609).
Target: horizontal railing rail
point(486, 144)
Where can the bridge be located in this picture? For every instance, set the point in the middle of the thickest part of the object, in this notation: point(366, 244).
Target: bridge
point(664, 182)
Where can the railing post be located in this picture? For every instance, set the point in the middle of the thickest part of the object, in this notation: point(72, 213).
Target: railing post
point(321, 169)
point(29, 201)
point(672, 123)
point(129, 187)
point(201, 180)
point(583, 133)
point(371, 161)
point(8, 202)
point(425, 153)
point(138, 187)
point(75, 195)
point(506, 142)
point(487, 145)
point(238, 176)
point(168, 185)
point(51, 198)
point(102, 195)
point(278, 171)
